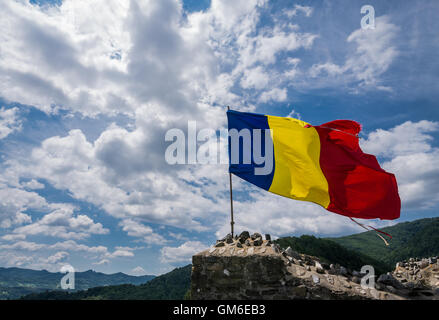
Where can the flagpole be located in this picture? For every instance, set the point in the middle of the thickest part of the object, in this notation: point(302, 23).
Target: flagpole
point(231, 196)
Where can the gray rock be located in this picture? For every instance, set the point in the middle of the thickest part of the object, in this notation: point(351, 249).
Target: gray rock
point(244, 235)
point(432, 260)
point(229, 238)
point(255, 235)
point(384, 278)
point(290, 252)
point(257, 242)
point(248, 242)
point(220, 244)
point(239, 244)
point(343, 271)
point(389, 280)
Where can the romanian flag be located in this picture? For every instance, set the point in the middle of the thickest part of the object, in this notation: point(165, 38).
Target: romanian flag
point(321, 164)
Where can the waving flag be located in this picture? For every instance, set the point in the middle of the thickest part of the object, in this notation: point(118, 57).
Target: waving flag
point(321, 164)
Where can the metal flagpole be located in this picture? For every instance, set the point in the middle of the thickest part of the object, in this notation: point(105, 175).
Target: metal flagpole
point(231, 196)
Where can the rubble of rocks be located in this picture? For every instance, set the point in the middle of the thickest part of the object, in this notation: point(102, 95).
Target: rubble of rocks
point(249, 267)
point(415, 278)
point(244, 239)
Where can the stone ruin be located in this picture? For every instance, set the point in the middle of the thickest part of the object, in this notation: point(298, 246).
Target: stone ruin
point(416, 278)
point(250, 267)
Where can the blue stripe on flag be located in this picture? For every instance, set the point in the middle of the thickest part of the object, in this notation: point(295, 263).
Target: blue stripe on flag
point(242, 120)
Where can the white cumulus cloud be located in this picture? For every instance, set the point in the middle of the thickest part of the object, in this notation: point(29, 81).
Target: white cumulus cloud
point(408, 152)
point(9, 121)
point(182, 253)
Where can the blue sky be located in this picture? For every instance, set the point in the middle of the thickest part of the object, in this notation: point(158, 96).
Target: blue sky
point(88, 91)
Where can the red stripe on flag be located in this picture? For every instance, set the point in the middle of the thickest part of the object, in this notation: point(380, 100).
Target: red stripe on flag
point(358, 186)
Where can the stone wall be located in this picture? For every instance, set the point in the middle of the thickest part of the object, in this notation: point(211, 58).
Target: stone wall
point(248, 268)
point(254, 276)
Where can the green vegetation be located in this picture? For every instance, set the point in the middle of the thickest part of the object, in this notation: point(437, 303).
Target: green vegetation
point(170, 286)
point(419, 238)
point(16, 282)
point(331, 252)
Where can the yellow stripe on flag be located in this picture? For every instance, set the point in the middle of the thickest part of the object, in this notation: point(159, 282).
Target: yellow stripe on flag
point(297, 172)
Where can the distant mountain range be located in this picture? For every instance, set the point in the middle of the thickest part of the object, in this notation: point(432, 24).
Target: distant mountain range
point(16, 282)
point(170, 286)
point(418, 238)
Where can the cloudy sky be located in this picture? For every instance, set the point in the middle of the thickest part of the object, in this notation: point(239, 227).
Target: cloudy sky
point(88, 90)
